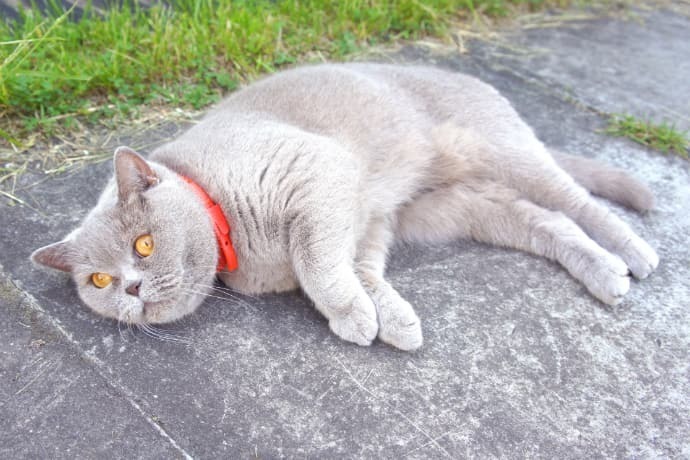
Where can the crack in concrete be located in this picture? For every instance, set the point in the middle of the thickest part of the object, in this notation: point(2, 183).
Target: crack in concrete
point(97, 365)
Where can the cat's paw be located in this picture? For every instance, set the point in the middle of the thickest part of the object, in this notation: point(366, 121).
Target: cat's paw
point(402, 331)
point(607, 278)
point(640, 257)
point(359, 325)
point(399, 325)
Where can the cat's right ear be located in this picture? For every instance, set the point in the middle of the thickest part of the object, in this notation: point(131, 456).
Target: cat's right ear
point(58, 256)
point(133, 173)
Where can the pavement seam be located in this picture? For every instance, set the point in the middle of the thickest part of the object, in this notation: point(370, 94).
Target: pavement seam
point(97, 365)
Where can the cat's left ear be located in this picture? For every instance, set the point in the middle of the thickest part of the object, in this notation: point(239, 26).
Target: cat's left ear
point(58, 255)
point(133, 173)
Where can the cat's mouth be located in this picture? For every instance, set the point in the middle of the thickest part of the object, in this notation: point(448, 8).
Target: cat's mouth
point(160, 309)
point(152, 312)
point(148, 306)
point(145, 312)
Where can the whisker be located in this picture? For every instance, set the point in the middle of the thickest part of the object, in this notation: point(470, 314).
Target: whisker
point(231, 300)
point(145, 331)
point(220, 288)
point(148, 333)
point(223, 294)
point(217, 289)
point(192, 291)
point(167, 332)
point(162, 335)
point(119, 330)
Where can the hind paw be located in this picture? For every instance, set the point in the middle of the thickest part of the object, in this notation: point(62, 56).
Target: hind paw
point(639, 256)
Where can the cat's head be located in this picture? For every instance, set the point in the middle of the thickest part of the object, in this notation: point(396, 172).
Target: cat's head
point(146, 253)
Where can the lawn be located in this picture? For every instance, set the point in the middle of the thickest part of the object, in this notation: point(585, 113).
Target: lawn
point(62, 69)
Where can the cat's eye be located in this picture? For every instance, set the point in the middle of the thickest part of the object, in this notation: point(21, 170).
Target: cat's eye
point(144, 245)
point(101, 280)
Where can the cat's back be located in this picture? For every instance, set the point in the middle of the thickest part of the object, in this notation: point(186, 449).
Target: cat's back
point(318, 89)
point(365, 99)
point(340, 101)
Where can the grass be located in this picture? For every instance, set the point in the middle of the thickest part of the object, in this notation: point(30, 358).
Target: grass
point(659, 136)
point(59, 72)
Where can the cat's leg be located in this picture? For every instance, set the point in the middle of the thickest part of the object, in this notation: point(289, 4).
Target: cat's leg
point(322, 259)
point(551, 187)
point(498, 216)
point(521, 162)
point(399, 325)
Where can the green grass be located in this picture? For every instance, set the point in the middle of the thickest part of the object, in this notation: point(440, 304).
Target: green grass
point(57, 73)
point(661, 136)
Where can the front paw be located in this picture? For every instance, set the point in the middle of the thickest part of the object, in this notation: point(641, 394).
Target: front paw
point(400, 325)
point(359, 325)
point(403, 333)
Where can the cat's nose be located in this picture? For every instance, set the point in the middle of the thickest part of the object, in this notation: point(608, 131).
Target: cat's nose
point(133, 288)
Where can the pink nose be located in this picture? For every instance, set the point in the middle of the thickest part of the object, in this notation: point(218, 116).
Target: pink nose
point(133, 288)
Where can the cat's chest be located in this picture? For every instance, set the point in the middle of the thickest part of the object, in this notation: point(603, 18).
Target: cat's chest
point(261, 275)
point(263, 259)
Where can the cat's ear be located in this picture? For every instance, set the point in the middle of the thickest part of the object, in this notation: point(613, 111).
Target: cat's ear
point(133, 173)
point(57, 255)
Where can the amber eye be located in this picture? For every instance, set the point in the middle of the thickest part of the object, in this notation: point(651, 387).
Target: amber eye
point(144, 245)
point(101, 280)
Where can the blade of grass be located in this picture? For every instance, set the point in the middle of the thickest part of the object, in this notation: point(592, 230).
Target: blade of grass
point(662, 136)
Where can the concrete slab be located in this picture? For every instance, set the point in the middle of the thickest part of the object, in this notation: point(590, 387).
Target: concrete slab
point(519, 360)
point(638, 65)
point(54, 404)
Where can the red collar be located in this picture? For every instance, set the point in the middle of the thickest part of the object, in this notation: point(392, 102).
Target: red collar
point(227, 259)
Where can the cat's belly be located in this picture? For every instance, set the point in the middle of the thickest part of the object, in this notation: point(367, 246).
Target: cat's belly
point(261, 279)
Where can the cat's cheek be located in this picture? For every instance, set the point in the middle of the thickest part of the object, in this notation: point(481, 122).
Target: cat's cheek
point(109, 304)
point(101, 306)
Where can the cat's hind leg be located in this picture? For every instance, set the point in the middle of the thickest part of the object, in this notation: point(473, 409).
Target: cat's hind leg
point(399, 325)
point(496, 215)
point(551, 187)
point(522, 163)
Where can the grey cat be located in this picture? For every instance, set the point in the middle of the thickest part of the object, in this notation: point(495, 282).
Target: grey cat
point(319, 170)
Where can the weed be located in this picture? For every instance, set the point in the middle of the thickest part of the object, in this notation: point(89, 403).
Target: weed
point(659, 136)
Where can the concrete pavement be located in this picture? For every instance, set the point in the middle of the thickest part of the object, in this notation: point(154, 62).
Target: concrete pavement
point(518, 361)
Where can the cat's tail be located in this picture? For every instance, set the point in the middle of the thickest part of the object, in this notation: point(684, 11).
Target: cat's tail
point(606, 181)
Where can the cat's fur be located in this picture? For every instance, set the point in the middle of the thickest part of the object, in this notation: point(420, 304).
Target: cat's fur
point(320, 169)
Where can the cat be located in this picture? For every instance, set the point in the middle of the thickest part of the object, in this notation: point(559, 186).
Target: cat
point(319, 170)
